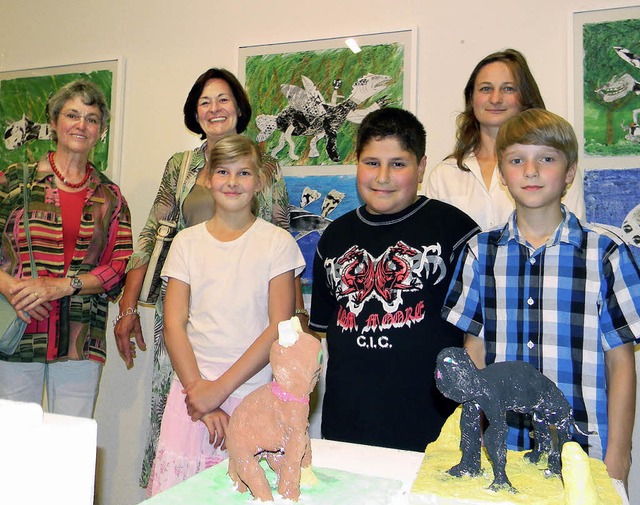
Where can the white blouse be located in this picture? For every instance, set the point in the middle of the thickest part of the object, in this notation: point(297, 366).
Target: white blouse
point(488, 207)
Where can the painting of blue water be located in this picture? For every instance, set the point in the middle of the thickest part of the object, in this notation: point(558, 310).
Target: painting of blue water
point(316, 201)
point(610, 195)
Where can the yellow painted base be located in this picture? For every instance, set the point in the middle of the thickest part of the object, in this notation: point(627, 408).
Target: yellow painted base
point(587, 479)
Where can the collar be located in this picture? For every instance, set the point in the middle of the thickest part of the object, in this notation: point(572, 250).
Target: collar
point(471, 162)
point(569, 231)
point(391, 219)
point(287, 397)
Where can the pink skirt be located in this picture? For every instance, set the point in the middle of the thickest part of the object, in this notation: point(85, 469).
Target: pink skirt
point(183, 446)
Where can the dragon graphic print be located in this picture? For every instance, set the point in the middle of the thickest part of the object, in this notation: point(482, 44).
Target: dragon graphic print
point(357, 278)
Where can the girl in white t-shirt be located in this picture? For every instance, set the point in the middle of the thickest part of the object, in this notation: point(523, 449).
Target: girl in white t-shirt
point(230, 282)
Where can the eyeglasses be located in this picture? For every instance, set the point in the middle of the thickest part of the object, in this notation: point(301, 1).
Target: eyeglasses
point(74, 117)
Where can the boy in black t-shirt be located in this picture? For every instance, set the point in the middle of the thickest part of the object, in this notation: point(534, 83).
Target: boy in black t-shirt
point(381, 273)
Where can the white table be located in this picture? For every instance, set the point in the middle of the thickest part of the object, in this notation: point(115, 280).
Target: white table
point(367, 460)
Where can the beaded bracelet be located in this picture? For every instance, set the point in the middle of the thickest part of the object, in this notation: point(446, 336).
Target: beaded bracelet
point(127, 312)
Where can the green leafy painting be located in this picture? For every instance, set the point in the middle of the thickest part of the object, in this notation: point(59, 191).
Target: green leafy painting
point(612, 88)
point(23, 116)
point(307, 105)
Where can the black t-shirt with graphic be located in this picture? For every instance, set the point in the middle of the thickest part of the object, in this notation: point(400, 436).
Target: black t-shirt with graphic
point(378, 287)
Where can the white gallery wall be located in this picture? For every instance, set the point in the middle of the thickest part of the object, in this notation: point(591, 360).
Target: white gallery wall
point(166, 44)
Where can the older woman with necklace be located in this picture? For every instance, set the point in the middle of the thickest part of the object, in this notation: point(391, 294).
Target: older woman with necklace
point(81, 241)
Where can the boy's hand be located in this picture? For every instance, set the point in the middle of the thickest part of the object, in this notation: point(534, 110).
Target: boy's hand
point(621, 397)
point(618, 468)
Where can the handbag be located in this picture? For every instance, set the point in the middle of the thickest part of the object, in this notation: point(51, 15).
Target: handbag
point(11, 326)
point(166, 230)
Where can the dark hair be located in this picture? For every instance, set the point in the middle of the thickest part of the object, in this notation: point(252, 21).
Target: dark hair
point(538, 127)
point(90, 93)
point(468, 133)
point(190, 108)
point(397, 123)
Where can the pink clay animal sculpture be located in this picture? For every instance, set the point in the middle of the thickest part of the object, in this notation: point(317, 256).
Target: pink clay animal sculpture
point(272, 422)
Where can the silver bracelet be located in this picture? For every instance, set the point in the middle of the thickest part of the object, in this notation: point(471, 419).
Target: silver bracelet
point(131, 311)
point(301, 312)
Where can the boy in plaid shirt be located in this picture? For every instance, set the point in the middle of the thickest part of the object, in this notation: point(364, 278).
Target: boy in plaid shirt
point(554, 292)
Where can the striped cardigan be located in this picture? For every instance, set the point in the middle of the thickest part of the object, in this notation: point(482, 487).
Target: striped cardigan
point(76, 327)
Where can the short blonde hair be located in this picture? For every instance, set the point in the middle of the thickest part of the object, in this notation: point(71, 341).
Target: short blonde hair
point(541, 128)
point(230, 149)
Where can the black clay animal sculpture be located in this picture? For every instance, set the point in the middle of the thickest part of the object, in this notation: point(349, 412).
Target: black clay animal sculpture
point(500, 387)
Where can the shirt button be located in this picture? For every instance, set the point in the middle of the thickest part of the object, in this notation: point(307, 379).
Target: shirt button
point(530, 301)
point(532, 261)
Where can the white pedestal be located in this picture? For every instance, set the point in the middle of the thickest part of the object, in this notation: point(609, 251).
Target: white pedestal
point(46, 458)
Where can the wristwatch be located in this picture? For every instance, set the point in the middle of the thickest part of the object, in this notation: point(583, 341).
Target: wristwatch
point(76, 284)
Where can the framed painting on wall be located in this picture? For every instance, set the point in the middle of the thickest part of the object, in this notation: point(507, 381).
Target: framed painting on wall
point(23, 116)
point(606, 108)
point(606, 86)
point(308, 99)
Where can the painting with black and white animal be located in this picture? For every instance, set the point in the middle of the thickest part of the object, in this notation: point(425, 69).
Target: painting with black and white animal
point(309, 115)
point(611, 88)
point(307, 105)
point(25, 128)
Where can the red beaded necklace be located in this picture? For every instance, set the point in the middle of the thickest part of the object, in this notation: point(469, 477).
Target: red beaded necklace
point(74, 185)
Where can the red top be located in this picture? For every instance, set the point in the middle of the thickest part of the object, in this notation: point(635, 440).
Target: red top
point(71, 205)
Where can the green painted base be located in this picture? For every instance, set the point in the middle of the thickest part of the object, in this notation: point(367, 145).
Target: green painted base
point(213, 486)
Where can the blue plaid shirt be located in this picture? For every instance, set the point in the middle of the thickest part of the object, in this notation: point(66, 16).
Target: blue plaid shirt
point(559, 307)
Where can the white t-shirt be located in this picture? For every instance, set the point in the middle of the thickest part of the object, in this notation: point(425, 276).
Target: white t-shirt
point(229, 282)
point(492, 207)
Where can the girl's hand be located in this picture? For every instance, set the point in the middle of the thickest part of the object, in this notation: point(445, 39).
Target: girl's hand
point(217, 423)
point(203, 396)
